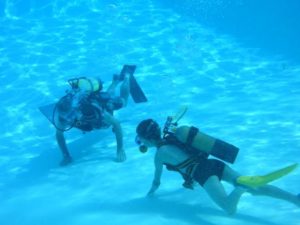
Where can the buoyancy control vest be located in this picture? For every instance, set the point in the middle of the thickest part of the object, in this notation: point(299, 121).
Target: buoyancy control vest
point(82, 107)
point(195, 143)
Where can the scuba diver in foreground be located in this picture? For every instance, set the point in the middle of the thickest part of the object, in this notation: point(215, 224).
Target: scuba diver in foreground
point(186, 150)
point(87, 107)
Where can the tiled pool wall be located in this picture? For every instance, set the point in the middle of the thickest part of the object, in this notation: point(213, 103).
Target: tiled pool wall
point(272, 25)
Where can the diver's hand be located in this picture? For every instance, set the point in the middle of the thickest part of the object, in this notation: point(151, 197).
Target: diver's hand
point(153, 189)
point(150, 194)
point(66, 161)
point(121, 155)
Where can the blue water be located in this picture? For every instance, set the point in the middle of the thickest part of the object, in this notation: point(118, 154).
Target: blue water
point(266, 24)
point(241, 91)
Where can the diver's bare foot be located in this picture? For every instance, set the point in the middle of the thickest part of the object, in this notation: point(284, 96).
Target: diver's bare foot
point(121, 156)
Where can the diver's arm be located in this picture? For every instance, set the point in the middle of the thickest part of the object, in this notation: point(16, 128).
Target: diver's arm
point(113, 85)
point(121, 156)
point(60, 138)
point(157, 175)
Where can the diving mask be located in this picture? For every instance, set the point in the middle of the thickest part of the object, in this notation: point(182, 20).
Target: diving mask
point(143, 148)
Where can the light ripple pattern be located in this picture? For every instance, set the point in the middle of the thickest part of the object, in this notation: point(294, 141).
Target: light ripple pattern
point(233, 93)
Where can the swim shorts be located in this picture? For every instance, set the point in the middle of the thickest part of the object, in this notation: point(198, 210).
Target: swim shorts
point(208, 168)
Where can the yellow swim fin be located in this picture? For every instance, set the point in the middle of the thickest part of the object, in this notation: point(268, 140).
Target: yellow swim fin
point(257, 181)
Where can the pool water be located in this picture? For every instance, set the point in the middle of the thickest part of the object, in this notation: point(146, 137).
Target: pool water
point(242, 92)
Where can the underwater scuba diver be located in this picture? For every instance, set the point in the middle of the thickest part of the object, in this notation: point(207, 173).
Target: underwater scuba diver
point(87, 107)
point(186, 150)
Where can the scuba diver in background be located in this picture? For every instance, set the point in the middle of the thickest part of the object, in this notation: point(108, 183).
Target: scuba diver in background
point(87, 107)
point(186, 150)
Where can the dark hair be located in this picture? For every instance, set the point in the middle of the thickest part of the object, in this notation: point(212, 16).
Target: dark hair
point(148, 129)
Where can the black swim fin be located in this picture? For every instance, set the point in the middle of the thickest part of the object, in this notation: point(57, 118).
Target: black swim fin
point(136, 91)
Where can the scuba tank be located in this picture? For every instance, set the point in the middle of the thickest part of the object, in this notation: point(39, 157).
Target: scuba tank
point(86, 84)
point(206, 143)
point(195, 140)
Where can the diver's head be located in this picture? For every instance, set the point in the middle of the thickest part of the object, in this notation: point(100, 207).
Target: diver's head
point(148, 134)
point(64, 105)
point(65, 112)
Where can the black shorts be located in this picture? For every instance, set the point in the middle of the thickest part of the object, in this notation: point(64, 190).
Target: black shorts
point(117, 103)
point(208, 168)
